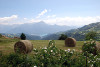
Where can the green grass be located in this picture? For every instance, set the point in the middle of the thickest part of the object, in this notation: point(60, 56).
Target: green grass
point(7, 45)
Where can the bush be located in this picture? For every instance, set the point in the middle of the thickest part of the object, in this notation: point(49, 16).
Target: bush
point(62, 37)
point(91, 35)
point(89, 47)
point(0, 35)
point(50, 56)
point(22, 36)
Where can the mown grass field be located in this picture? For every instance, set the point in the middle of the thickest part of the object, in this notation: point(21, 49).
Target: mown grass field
point(7, 45)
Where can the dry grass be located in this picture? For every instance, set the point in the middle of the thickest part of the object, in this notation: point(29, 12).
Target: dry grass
point(7, 45)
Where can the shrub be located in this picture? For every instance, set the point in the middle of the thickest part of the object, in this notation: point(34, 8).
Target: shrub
point(62, 37)
point(22, 36)
point(91, 35)
point(0, 35)
point(50, 56)
point(89, 47)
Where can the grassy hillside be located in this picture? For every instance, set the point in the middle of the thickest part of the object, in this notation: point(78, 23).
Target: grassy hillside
point(7, 45)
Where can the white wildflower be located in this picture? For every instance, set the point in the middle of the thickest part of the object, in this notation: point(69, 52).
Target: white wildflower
point(90, 39)
point(84, 41)
point(71, 52)
point(51, 50)
point(35, 66)
point(45, 51)
point(68, 50)
point(73, 49)
point(45, 47)
point(34, 48)
point(65, 50)
point(88, 61)
point(92, 65)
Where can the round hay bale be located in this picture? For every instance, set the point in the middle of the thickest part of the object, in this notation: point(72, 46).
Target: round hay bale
point(23, 46)
point(98, 46)
point(70, 42)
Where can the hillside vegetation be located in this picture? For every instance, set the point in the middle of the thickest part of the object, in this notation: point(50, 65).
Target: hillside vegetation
point(78, 34)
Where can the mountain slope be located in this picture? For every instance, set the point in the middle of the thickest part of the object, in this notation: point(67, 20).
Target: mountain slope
point(34, 28)
point(79, 34)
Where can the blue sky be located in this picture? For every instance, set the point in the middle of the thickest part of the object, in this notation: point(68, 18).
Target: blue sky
point(60, 12)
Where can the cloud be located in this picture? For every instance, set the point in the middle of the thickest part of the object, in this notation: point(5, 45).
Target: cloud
point(72, 21)
point(52, 20)
point(42, 13)
point(52, 16)
point(8, 20)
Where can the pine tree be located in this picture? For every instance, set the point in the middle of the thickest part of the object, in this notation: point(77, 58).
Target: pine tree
point(62, 37)
point(23, 37)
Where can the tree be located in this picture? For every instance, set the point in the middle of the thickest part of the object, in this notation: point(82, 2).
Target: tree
point(0, 35)
point(91, 35)
point(22, 36)
point(62, 37)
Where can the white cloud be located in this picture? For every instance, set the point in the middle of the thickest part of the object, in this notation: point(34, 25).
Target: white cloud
point(52, 16)
point(42, 13)
point(72, 21)
point(53, 19)
point(8, 20)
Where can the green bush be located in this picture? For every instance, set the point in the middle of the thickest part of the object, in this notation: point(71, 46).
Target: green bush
point(62, 37)
point(91, 35)
point(0, 35)
point(89, 47)
point(22, 36)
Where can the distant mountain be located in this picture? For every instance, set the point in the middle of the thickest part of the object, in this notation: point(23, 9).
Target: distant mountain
point(78, 34)
point(33, 28)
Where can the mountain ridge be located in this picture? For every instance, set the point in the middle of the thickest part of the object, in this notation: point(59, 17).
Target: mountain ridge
point(34, 28)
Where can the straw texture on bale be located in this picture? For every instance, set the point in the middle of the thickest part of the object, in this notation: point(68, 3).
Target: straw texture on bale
point(98, 46)
point(23, 46)
point(70, 42)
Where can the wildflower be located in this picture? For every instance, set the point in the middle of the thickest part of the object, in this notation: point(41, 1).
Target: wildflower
point(68, 49)
point(45, 47)
point(84, 41)
point(52, 43)
point(45, 51)
point(88, 61)
point(51, 50)
point(90, 39)
point(71, 52)
point(65, 50)
point(34, 48)
point(92, 65)
point(73, 49)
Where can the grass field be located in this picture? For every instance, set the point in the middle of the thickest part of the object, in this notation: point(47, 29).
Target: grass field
point(7, 45)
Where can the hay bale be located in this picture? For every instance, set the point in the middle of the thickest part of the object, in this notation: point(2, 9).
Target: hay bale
point(23, 46)
point(70, 42)
point(98, 46)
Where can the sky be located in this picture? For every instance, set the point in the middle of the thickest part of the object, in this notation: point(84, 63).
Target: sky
point(59, 12)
